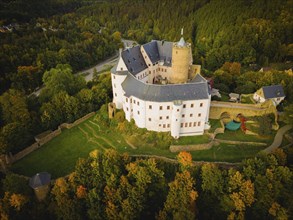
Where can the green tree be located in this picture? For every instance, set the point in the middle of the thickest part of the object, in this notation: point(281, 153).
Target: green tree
point(61, 79)
point(180, 202)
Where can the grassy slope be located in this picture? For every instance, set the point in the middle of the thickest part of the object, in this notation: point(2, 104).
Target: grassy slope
point(59, 156)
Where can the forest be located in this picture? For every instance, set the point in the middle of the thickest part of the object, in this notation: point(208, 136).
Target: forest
point(109, 185)
point(45, 43)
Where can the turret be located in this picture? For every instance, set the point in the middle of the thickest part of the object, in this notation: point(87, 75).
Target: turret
point(181, 61)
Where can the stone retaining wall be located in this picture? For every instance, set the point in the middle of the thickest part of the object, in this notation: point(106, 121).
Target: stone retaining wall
point(241, 142)
point(196, 147)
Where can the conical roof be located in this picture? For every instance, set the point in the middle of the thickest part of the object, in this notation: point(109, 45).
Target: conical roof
point(40, 179)
point(181, 43)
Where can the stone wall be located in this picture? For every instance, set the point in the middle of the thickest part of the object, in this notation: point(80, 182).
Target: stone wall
point(9, 159)
point(217, 108)
point(196, 147)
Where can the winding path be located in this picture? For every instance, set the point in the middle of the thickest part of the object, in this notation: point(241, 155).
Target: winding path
point(278, 138)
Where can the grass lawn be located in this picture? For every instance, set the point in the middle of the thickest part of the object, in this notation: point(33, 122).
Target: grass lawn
point(227, 152)
point(214, 123)
point(201, 139)
point(240, 136)
point(59, 155)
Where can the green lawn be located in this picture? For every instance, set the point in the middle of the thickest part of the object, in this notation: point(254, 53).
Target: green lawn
point(59, 156)
point(214, 123)
point(240, 136)
point(227, 152)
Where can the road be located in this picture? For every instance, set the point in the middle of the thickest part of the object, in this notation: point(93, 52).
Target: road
point(99, 67)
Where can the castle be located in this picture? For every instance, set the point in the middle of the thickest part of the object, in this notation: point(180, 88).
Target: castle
point(157, 85)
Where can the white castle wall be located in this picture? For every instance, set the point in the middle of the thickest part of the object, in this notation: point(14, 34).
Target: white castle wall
point(118, 92)
point(164, 116)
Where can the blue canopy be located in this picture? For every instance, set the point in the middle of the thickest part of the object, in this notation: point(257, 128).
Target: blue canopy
point(233, 126)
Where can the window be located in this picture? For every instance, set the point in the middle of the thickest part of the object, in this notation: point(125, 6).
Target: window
point(164, 126)
point(134, 101)
point(168, 107)
point(177, 110)
point(127, 109)
point(194, 124)
point(159, 69)
point(150, 72)
point(198, 123)
point(113, 77)
point(150, 119)
point(161, 117)
point(186, 124)
point(161, 107)
point(191, 105)
point(201, 104)
point(126, 99)
point(159, 125)
point(165, 70)
point(167, 117)
point(114, 85)
point(199, 114)
point(168, 125)
point(181, 125)
point(183, 116)
point(138, 112)
point(121, 68)
point(190, 124)
point(150, 106)
point(191, 115)
point(137, 102)
point(116, 94)
point(184, 106)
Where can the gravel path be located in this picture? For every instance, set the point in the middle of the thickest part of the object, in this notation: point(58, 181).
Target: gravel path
point(278, 138)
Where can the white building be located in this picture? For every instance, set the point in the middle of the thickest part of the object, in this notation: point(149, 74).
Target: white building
point(274, 93)
point(156, 85)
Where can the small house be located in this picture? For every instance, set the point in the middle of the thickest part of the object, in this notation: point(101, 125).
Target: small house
point(275, 93)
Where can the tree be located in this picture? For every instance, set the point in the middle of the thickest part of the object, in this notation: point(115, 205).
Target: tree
point(61, 79)
point(62, 108)
point(288, 114)
point(27, 78)
point(212, 179)
point(180, 202)
point(65, 205)
point(14, 107)
point(185, 160)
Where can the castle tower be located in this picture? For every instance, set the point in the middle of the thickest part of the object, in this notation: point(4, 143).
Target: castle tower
point(181, 61)
point(41, 184)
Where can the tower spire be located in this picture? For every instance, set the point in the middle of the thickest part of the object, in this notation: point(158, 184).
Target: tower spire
point(181, 42)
